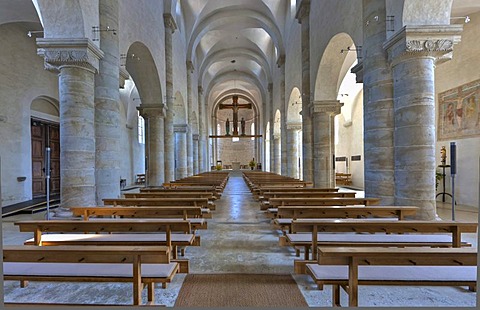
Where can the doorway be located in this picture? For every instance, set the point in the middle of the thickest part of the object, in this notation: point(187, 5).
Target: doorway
point(45, 134)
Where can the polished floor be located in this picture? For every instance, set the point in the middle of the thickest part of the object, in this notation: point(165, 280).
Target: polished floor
point(239, 239)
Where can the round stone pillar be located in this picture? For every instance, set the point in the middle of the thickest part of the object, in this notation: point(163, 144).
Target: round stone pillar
point(413, 53)
point(303, 16)
point(77, 61)
point(189, 152)
point(293, 151)
point(277, 154)
point(323, 153)
point(202, 145)
point(170, 27)
point(154, 115)
point(107, 107)
point(195, 153)
point(180, 151)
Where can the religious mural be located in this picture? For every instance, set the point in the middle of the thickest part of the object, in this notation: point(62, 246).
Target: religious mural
point(459, 112)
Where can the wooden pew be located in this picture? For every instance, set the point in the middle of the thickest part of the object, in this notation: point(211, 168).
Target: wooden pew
point(335, 201)
point(140, 265)
point(392, 266)
point(286, 214)
point(258, 192)
point(113, 232)
point(193, 214)
point(265, 202)
point(152, 202)
point(315, 228)
point(206, 189)
point(171, 194)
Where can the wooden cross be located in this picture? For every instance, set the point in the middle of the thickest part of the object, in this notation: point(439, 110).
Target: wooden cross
point(235, 106)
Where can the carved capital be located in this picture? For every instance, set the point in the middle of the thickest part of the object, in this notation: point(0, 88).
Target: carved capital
point(294, 126)
point(358, 71)
point(331, 107)
point(123, 77)
point(424, 41)
point(303, 10)
point(169, 22)
point(152, 110)
point(195, 137)
point(78, 52)
point(180, 128)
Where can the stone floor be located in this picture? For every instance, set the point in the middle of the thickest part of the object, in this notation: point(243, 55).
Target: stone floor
point(239, 239)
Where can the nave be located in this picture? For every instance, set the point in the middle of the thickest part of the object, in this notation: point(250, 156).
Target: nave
point(239, 239)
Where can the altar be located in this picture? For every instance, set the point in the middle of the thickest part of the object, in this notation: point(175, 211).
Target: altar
point(235, 165)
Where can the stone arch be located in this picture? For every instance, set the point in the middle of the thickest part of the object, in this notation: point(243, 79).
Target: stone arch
point(294, 107)
point(277, 123)
point(333, 66)
point(179, 109)
point(143, 70)
point(46, 108)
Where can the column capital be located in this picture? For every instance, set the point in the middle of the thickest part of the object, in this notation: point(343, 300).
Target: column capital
point(281, 60)
point(358, 71)
point(190, 66)
point(423, 41)
point(180, 128)
point(294, 126)
point(152, 110)
point(303, 10)
point(200, 90)
point(77, 52)
point(123, 76)
point(332, 107)
point(195, 137)
point(169, 22)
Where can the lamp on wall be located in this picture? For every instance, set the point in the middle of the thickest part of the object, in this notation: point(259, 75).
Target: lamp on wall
point(465, 18)
point(96, 29)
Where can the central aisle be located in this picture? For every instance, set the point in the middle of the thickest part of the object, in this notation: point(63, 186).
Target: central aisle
point(239, 238)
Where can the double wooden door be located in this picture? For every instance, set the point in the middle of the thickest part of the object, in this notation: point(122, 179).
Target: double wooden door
point(45, 134)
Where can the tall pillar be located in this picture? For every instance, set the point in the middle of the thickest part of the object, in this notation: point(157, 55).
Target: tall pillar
point(107, 107)
point(170, 27)
point(277, 149)
point(322, 112)
point(190, 69)
point(412, 53)
point(378, 105)
point(195, 153)
point(202, 145)
point(303, 16)
point(283, 109)
point(270, 118)
point(154, 115)
point(181, 150)
point(77, 60)
point(292, 144)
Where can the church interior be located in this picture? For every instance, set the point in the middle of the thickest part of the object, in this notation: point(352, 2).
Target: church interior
point(240, 153)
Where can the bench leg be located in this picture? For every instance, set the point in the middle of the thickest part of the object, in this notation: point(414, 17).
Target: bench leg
point(336, 296)
point(307, 252)
point(174, 252)
point(23, 283)
point(151, 292)
point(472, 288)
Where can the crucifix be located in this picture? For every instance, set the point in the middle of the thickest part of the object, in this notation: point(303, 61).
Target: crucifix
point(235, 106)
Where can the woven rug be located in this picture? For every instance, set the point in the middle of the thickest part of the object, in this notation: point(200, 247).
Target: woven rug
point(240, 290)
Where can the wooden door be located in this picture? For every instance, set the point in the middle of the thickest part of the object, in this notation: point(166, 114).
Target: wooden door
point(38, 159)
point(43, 135)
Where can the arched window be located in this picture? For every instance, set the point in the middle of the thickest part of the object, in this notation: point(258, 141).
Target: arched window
point(141, 129)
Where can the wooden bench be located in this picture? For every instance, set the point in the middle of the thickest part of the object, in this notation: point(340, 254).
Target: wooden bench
point(315, 228)
point(286, 214)
point(259, 192)
point(172, 233)
point(171, 194)
point(335, 201)
point(343, 178)
point(152, 202)
point(193, 214)
point(140, 265)
point(349, 267)
point(265, 202)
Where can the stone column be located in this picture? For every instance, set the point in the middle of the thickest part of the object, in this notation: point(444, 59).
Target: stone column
point(154, 115)
point(283, 105)
point(202, 145)
point(277, 149)
point(107, 107)
point(270, 118)
point(292, 144)
point(77, 60)
point(412, 53)
point(378, 105)
point(181, 150)
point(190, 69)
point(170, 27)
point(322, 112)
point(195, 153)
point(303, 16)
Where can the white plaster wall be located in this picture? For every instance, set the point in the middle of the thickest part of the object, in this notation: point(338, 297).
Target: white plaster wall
point(463, 68)
point(22, 79)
